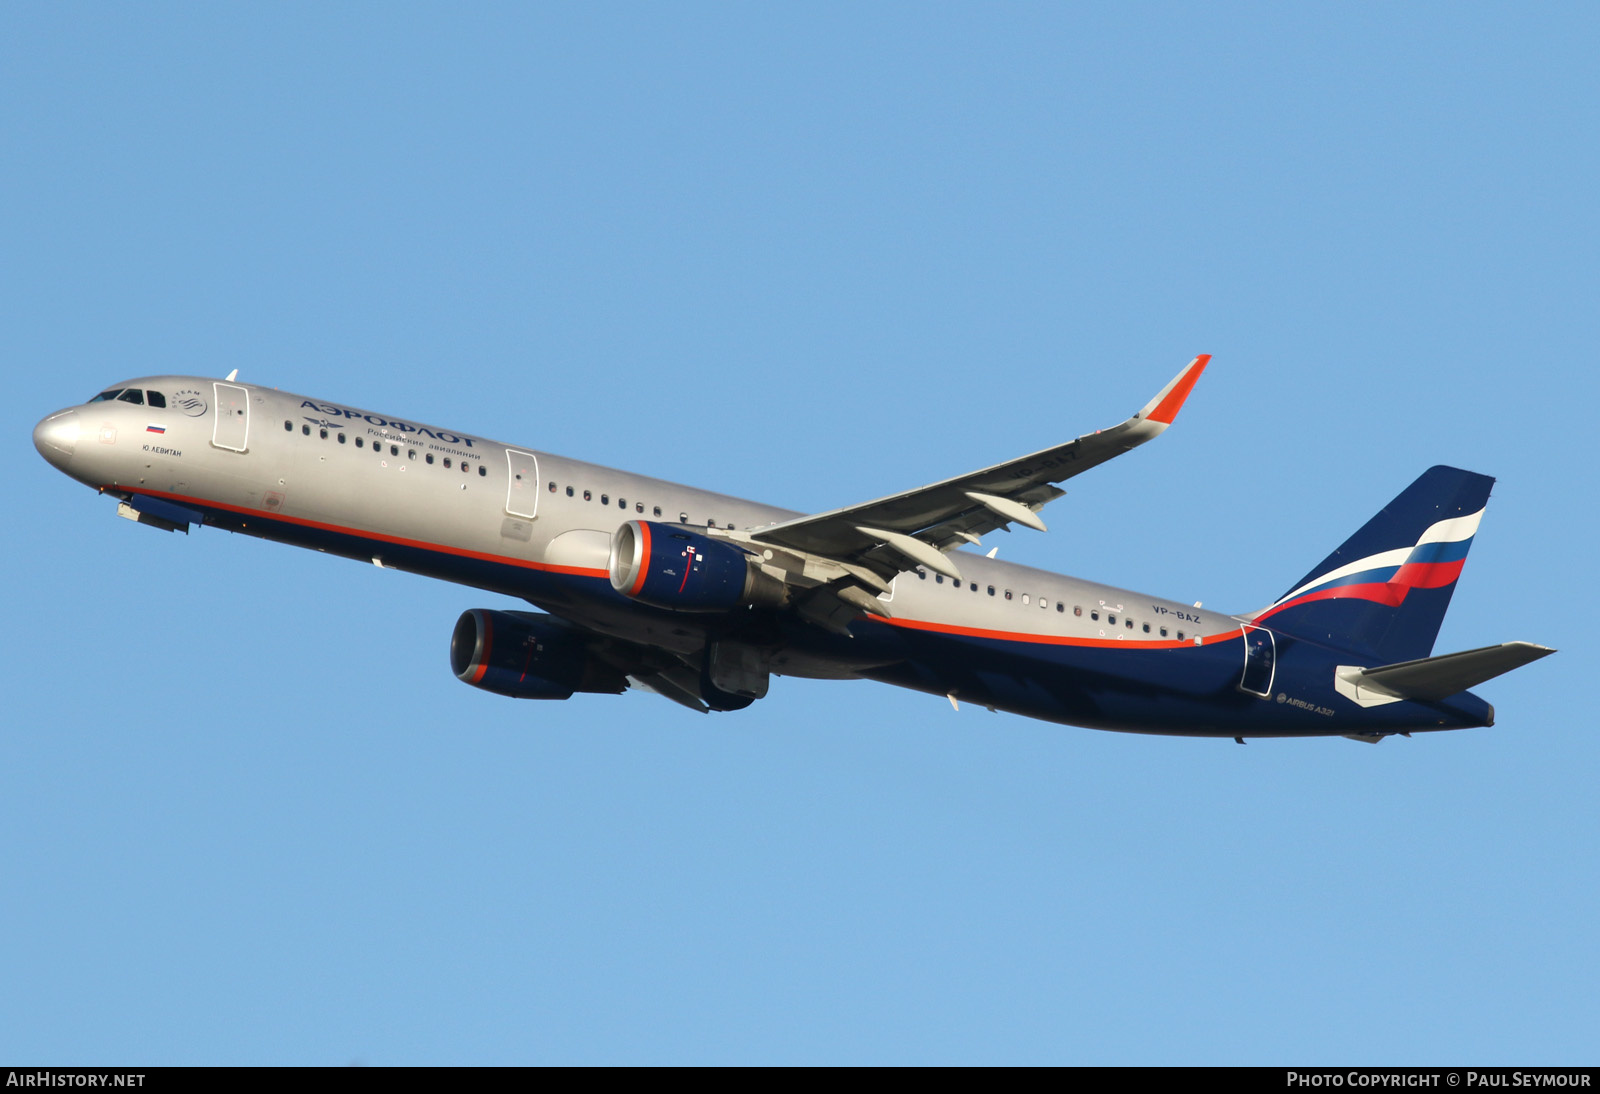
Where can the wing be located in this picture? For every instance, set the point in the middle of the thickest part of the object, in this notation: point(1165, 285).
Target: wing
point(917, 527)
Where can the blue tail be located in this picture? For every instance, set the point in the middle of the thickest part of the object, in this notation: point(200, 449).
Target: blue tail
point(1384, 592)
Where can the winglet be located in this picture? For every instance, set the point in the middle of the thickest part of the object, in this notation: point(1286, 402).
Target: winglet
point(1165, 406)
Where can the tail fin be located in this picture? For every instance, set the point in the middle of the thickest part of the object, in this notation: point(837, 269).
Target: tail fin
point(1385, 590)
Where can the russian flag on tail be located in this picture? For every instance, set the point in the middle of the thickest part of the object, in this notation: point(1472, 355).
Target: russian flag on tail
point(1386, 588)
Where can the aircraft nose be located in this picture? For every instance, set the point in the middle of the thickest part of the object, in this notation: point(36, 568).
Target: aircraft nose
point(57, 437)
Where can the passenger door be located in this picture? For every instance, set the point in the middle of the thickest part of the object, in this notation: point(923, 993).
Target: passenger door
point(231, 430)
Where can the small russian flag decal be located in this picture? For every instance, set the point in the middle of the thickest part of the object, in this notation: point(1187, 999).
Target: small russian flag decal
point(155, 429)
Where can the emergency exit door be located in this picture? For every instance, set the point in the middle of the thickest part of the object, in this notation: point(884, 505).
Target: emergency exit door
point(522, 489)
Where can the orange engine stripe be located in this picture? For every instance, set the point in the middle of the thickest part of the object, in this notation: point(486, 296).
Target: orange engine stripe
point(488, 643)
point(644, 557)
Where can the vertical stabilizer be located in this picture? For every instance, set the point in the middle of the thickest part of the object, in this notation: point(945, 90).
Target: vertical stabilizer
point(1384, 592)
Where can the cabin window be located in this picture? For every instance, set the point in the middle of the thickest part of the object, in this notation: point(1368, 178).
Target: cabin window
point(1008, 594)
point(991, 590)
point(605, 499)
point(324, 433)
point(552, 488)
point(1147, 628)
point(305, 431)
point(1024, 598)
point(569, 491)
point(483, 471)
point(429, 457)
point(411, 454)
point(1060, 607)
point(341, 441)
point(1094, 615)
point(447, 463)
point(132, 395)
point(974, 586)
point(1078, 611)
point(638, 507)
point(1163, 632)
point(157, 399)
point(657, 510)
point(1043, 603)
point(588, 496)
point(938, 579)
point(1130, 624)
point(1111, 620)
point(394, 450)
point(358, 442)
point(683, 518)
point(622, 503)
point(288, 427)
point(1180, 636)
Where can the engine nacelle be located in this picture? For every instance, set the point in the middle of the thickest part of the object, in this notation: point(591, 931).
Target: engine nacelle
point(667, 566)
point(527, 656)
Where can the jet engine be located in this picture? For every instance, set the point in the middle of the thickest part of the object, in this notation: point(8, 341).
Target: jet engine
point(668, 566)
point(527, 656)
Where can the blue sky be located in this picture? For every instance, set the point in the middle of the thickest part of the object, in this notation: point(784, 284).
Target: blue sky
point(808, 255)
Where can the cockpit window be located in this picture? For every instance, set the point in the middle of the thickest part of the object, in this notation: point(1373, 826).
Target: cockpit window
point(131, 395)
point(107, 396)
point(156, 399)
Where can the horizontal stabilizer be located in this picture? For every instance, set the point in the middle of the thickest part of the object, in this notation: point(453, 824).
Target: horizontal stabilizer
point(1434, 678)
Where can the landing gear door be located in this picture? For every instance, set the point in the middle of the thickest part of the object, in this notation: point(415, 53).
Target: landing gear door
point(232, 426)
point(522, 486)
point(1260, 661)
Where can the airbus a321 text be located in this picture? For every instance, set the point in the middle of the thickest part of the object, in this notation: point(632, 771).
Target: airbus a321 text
point(702, 598)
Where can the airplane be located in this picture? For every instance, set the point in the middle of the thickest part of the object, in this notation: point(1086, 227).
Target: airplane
point(702, 598)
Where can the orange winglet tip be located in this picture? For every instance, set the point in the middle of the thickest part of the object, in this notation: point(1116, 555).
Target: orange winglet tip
point(1173, 398)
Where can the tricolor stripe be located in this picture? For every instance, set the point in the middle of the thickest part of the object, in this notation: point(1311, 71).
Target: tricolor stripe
point(1433, 562)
